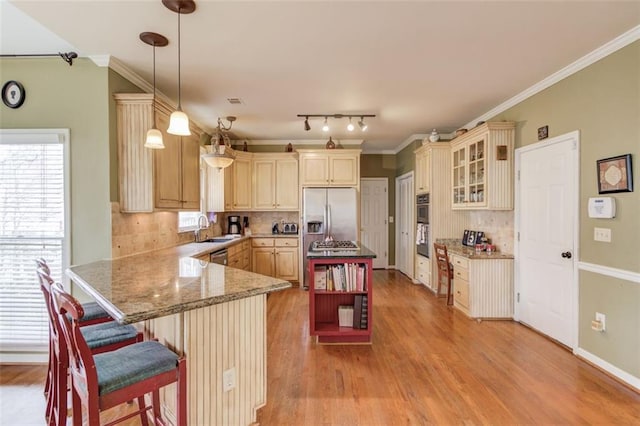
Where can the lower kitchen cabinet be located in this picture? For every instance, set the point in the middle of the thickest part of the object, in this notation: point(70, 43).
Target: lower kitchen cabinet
point(239, 256)
point(483, 288)
point(275, 257)
point(423, 271)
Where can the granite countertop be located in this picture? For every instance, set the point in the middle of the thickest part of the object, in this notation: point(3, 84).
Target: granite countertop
point(362, 252)
point(168, 281)
point(454, 246)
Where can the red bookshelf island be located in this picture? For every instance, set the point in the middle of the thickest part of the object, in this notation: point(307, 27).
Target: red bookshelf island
point(341, 279)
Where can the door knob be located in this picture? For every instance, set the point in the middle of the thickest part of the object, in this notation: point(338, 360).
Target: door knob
point(566, 255)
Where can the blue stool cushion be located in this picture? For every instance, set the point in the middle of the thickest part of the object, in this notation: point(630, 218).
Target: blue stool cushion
point(132, 364)
point(93, 311)
point(107, 333)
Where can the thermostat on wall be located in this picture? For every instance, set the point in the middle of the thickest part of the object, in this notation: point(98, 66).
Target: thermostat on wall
point(602, 207)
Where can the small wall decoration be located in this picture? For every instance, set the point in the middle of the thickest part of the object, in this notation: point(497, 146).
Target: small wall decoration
point(615, 174)
point(501, 152)
point(543, 132)
point(13, 94)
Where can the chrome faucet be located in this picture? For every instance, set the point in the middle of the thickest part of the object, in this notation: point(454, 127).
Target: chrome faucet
point(201, 225)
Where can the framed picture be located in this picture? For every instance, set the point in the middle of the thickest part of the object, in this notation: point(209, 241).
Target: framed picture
point(615, 174)
point(471, 240)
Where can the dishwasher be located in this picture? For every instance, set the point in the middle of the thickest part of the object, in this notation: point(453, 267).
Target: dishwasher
point(219, 257)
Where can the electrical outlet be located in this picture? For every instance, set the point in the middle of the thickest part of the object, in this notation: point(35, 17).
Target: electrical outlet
point(602, 234)
point(228, 379)
point(602, 319)
point(390, 219)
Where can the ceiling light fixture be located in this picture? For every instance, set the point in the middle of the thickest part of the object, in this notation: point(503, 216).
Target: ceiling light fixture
point(179, 121)
point(220, 153)
point(325, 127)
point(154, 136)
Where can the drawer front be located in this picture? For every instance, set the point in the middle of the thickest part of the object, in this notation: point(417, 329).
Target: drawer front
point(286, 242)
point(262, 242)
point(462, 273)
point(423, 263)
point(232, 250)
point(235, 261)
point(423, 277)
point(462, 262)
point(461, 292)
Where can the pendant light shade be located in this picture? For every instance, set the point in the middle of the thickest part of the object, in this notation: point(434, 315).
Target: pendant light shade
point(154, 136)
point(220, 154)
point(179, 122)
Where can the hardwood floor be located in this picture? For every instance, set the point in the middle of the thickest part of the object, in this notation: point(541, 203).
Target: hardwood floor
point(428, 364)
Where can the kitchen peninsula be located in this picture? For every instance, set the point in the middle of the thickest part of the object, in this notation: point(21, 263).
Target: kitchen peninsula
point(214, 315)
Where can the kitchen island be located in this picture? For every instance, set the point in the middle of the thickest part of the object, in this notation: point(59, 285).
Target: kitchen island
point(340, 278)
point(213, 315)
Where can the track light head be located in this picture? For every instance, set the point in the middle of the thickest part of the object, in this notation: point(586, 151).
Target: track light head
point(350, 125)
point(325, 126)
point(306, 124)
point(363, 126)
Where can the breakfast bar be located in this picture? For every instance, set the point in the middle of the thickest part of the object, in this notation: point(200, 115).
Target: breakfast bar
point(213, 315)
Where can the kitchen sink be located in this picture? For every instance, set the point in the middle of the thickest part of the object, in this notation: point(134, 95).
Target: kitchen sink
point(217, 240)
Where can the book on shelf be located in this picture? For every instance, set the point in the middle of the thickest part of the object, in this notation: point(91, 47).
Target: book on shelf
point(320, 278)
point(345, 277)
point(360, 311)
point(364, 312)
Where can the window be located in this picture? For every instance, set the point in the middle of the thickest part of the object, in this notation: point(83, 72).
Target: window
point(188, 221)
point(33, 223)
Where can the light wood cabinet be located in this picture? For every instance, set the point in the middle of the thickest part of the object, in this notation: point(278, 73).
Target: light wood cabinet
point(134, 116)
point(275, 182)
point(275, 257)
point(176, 167)
point(237, 192)
point(423, 270)
point(483, 288)
point(329, 168)
point(239, 255)
point(423, 162)
point(482, 167)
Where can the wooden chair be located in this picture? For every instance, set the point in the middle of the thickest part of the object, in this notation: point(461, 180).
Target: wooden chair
point(100, 337)
point(102, 381)
point(445, 271)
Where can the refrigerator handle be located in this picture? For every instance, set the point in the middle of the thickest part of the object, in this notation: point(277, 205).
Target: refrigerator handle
point(325, 225)
point(329, 233)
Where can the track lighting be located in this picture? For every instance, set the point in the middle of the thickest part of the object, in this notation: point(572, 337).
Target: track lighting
point(325, 127)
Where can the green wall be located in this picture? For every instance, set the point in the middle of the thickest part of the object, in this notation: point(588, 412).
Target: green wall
point(406, 159)
point(74, 97)
point(603, 103)
point(379, 165)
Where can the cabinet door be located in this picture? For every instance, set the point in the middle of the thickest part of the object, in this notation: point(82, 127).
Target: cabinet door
point(167, 168)
point(343, 170)
point(287, 264)
point(228, 188)
point(242, 184)
point(214, 190)
point(190, 172)
point(476, 172)
point(287, 184)
point(262, 261)
point(314, 170)
point(459, 174)
point(264, 184)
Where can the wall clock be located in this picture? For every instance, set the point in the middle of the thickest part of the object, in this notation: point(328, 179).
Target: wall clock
point(13, 94)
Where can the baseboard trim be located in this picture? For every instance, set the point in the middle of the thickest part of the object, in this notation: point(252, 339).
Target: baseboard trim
point(17, 358)
point(621, 375)
point(622, 274)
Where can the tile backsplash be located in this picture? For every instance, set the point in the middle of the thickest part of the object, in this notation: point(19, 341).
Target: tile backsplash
point(133, 233)
point(497, 226)
point(260, 222)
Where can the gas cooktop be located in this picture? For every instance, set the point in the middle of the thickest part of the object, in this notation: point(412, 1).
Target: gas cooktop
point(334, 245)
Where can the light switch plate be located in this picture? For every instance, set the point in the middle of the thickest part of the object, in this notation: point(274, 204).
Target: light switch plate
point(602, 234)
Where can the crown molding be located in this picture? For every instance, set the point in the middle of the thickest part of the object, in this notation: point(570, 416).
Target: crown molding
point(590, 58)
point(407, 141)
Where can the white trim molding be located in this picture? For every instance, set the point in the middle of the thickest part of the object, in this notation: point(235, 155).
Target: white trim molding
point(622, 274)
point(622, 375)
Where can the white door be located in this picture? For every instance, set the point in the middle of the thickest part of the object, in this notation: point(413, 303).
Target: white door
point(404, 224)
point(547, 203)
point(374, 208)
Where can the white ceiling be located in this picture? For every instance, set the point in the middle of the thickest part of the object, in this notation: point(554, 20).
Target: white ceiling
point(418, 65)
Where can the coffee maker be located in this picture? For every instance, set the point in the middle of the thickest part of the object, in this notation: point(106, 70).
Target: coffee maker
point(234, 225)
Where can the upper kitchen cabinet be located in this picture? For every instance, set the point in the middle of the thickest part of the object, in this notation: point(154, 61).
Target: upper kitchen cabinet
point(329, 167)
point(482, 168)
point(275, 182)
point(422, 170)
point(176, 167)
point(238, 183)
point(134, 116)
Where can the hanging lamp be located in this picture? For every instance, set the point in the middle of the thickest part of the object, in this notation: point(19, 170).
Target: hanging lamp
point(179, 121)
point(220, 153)
point(154, 136)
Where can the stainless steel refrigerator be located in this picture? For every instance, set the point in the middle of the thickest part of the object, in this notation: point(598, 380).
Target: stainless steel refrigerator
point(328, 212)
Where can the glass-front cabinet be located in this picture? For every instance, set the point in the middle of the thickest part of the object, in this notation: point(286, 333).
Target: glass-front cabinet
point(482, 168)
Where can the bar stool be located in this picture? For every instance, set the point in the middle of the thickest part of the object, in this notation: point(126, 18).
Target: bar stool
point(93, 313)
point(100, 338)
point(445, 270)
point(102, 381)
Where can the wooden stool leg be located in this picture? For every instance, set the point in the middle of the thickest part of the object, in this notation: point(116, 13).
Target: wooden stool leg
point(77, 408)
point(155, 403)
point(143, 412)
point(182, 393)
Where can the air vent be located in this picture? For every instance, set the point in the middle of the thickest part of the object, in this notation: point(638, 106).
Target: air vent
point(234, 101)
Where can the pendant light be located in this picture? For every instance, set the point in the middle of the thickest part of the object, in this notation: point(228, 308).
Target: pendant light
point(179, 122)
point(220, 153)
point(154, 136)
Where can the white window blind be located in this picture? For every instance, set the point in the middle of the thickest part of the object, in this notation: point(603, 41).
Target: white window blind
point(32, 225)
